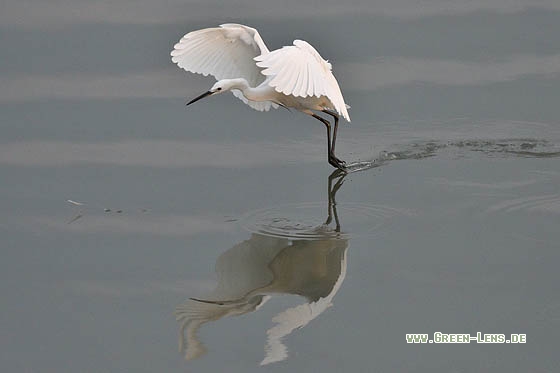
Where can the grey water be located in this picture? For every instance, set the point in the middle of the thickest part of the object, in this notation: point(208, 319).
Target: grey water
point(216, 238)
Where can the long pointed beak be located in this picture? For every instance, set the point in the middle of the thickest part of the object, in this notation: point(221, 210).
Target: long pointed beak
point(199, 97)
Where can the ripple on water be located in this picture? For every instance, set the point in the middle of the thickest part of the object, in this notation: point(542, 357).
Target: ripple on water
point(306, 221)
point(544, 203)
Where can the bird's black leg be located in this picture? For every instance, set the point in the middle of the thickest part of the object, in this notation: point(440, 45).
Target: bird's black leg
point(333, 144)
point(333, 161)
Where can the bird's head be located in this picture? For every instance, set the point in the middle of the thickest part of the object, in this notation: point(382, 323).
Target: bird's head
point(221, 86)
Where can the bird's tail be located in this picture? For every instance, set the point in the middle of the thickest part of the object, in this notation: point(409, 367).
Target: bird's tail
point(347, 107)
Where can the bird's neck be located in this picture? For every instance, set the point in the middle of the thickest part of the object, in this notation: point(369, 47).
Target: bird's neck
point(239, 83)
point(242, 85)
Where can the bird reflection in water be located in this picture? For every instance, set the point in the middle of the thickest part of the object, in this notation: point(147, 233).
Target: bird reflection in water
point(253, 271)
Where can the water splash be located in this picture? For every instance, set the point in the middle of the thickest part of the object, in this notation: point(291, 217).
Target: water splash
point(522, 147)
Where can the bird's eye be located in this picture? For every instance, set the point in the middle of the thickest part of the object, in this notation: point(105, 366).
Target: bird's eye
point(219, 88)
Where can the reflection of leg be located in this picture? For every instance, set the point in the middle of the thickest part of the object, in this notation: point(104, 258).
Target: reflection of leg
point(337, 175)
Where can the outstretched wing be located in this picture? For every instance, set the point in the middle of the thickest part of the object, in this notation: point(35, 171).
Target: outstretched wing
point(226, 52)
point(299, 70)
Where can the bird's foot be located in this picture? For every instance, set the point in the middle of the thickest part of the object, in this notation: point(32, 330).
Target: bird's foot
point(337, 163)
point(339, 160)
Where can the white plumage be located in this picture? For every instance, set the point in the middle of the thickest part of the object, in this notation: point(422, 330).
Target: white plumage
point(294, 76)
point(223, 52)
point(300, 71)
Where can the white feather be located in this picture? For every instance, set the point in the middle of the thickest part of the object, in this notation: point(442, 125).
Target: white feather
point(294, 76)
point(299, 70)
point(225, 52)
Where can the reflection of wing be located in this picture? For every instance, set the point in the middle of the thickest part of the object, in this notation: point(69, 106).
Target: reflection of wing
point(309, 268)
point(297, 317)
point(253, 270)
point(240, 270)
point(193, 314)
point(244, 267)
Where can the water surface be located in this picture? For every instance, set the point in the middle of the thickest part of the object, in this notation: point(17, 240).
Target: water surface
point(214, 238)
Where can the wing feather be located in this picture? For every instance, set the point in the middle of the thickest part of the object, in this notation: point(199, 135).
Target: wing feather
point(299, 82)
point(291, 66)
point(225, 52)
point(310, 82)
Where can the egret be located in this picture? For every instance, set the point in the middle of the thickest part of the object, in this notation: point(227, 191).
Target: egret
point(294, 76)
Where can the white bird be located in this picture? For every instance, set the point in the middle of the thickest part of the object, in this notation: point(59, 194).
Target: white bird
point(294, 76)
